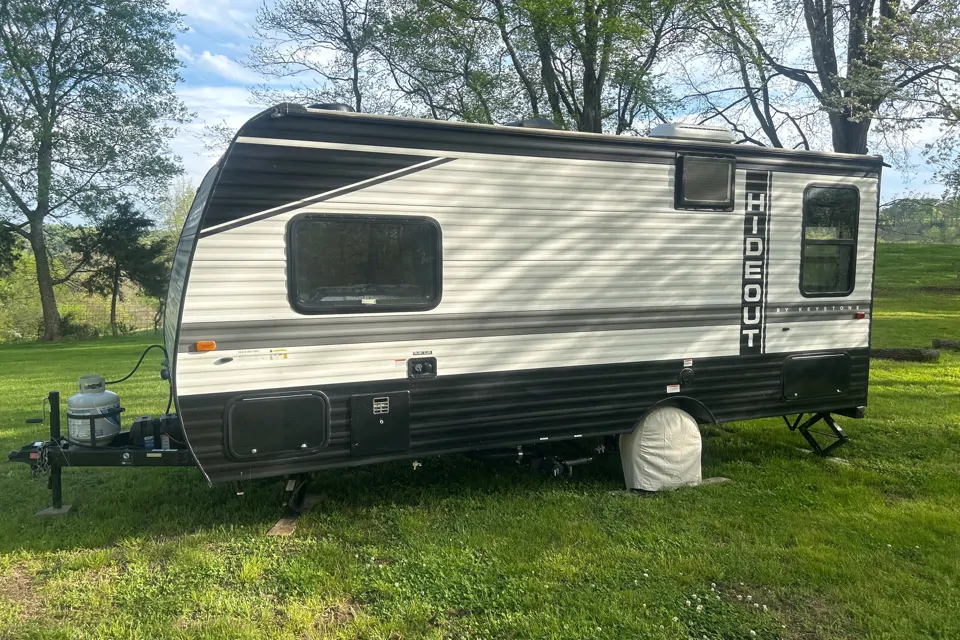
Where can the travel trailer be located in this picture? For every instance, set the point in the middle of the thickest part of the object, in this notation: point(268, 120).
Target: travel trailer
point(351, 289)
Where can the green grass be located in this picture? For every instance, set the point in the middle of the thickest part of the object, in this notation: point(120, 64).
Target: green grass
point(460, 549)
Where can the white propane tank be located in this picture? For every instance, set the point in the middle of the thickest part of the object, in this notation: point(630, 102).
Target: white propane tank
point(93, 400)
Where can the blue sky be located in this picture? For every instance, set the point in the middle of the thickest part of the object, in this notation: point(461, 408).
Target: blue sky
point(216, 87)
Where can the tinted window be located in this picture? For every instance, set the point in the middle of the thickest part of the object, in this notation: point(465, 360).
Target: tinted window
point(830, 214)
point(829, 240)
point(355, 264)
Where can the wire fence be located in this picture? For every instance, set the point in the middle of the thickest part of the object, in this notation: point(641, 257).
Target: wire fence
point(84, 318)
point(131, 318)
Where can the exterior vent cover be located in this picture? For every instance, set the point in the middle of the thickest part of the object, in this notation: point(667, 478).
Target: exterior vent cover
point(698, 132)
point(332, 106)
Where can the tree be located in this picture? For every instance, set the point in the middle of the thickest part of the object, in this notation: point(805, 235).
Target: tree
point(118, 250)
point(87, 106)
point(327, 38)
point(840, 65)
point(174, 208)
point(446, 61)
point(588, 65)
point(920, 220)
point(11, 248)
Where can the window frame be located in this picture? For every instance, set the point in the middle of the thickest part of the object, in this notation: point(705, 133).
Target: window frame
point(341, 308)
point(679, 200)
point(854, 242)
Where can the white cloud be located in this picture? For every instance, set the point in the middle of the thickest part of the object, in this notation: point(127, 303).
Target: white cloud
point(211, 105)
point(235, 16)
point(217, 63)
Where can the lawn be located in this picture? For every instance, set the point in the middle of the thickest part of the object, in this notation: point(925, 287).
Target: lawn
point(794, 547)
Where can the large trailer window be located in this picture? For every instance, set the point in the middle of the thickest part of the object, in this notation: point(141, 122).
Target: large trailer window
point(353, 264)
point(829, 241)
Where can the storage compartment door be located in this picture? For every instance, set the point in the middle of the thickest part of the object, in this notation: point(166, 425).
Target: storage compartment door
point(276, 425)
point(821, 375)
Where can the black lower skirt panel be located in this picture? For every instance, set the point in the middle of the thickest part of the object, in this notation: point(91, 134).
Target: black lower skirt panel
point(476, 411)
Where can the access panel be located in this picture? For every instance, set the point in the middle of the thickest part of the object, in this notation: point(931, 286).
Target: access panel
point(276, 425)
point(818, 375)
point(379, 423)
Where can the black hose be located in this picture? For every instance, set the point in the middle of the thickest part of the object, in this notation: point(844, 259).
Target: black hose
point(169, 399)
point(139, 362)
point(142, 356)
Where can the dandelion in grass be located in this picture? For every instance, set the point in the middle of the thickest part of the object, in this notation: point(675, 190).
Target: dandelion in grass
point(764, 607)
point(688, 603)
point(699, 607)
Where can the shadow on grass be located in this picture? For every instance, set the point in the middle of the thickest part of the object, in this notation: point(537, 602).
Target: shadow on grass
point(159, 503)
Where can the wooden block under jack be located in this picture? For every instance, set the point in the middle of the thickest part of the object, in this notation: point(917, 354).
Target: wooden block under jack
point(52, 512)
point(288, 524)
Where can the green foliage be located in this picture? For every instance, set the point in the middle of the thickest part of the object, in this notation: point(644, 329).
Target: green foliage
point(21, 318)
point(87, 106)
point(932, 220)
point(11, 247)
point(590, 66)
point(794, 547)
point(824, 75)
point(72, 328)
point(19, 301)
point(120, 250)
point(176, 205)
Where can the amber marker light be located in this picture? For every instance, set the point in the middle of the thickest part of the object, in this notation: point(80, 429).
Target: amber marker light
point(205, 345)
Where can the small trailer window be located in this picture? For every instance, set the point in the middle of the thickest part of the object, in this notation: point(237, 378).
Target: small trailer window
point(829, 241)
point(355, 264)
point(705, 182)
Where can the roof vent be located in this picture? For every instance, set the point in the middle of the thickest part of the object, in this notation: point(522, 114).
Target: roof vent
point(698, 132)
point(533, 123)
point(332, 106)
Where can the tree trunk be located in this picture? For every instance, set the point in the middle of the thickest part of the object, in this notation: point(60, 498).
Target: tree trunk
point(547, 74)
point(113, 299)
point(849, 136)
point(591, 120)
point(48, 300)
point(51, 315)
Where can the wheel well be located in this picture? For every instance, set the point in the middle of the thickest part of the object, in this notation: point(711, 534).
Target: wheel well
point(694, 407)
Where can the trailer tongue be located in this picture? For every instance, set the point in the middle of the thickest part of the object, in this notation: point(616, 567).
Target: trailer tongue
point(150, 442)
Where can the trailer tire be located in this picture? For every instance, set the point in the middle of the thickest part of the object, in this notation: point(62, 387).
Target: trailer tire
point(662, 452)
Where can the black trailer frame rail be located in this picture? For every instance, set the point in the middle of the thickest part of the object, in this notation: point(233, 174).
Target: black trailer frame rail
point(57, 453)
